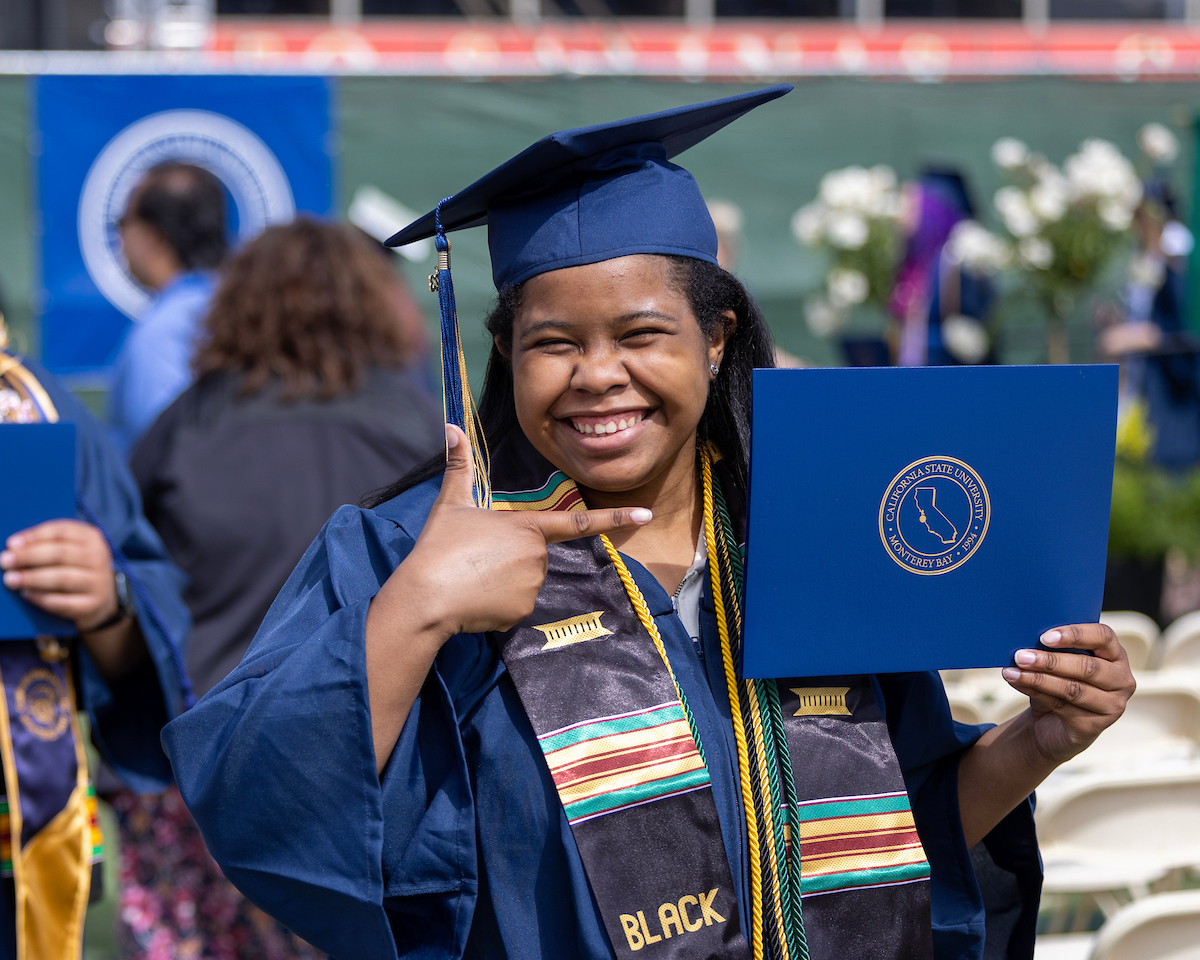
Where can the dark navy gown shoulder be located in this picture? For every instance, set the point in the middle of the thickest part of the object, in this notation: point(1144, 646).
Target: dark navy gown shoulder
point(461, 848)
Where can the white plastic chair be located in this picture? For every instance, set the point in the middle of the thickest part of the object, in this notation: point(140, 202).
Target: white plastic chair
point(1181, 643)
point(975, 693)
point(981, 679)
point(1161, 723)
point(1119, 830)
point(1165, 926)
point(1007, 704)
point(964, 709)
point(1063, 946)
point(1139, 635)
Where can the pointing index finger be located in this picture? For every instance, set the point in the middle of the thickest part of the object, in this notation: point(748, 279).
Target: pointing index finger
point(558, 526)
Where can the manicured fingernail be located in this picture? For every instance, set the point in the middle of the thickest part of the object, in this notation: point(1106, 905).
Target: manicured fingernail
point(451, 437)
point(6, 559)
point(1011, 673)
point(1025, 657)
point(1051, 637)
point(12, 580)
point(15, 540)
point(640, 515)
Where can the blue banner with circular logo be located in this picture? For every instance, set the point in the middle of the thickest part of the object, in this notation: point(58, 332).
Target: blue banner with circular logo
point(267, 139)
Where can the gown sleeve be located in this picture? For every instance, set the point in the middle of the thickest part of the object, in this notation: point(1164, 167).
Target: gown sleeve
point(929, 744)
point(128, 714)
point(277, 765)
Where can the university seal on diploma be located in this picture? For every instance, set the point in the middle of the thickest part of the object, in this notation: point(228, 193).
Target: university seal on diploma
point(934, 515)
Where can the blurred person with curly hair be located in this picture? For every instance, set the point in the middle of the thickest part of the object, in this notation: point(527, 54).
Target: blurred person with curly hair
point(306, 398)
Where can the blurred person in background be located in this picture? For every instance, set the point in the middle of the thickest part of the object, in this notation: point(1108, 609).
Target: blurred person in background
point(940, 304)
point(305, 400)
point(106, 571)
point(1160, 357)
point(173, 238)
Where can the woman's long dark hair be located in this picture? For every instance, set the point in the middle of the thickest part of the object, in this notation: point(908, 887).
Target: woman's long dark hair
point(710, 292)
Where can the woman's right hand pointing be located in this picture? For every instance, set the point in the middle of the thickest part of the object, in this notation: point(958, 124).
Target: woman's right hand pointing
point(470, 571)
point(482, 569)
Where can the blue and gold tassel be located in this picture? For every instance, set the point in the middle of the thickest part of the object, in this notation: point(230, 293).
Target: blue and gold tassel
point(458, 405)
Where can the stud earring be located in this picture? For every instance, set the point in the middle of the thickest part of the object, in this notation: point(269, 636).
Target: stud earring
point(714, 370)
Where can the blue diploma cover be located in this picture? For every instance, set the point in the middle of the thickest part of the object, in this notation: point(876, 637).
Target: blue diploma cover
point(37, 483)
point(923, 518)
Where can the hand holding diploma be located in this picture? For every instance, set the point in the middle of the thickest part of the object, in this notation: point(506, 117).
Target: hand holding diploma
point(66, 568)
point(470, 571)
point(1072, 699)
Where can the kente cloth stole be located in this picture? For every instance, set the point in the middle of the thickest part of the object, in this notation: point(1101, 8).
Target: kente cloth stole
point(617, 736)
point(49, 837)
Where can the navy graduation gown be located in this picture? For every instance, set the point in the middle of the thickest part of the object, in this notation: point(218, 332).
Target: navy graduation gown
point(463, 849)
point(128, 715)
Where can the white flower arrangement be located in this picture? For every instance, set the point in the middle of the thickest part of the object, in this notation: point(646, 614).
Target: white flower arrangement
point(854, 219)
point(1100, 173)
point(845, 230)
point(977, 250)
point(1009, 153)
point(846, 287)
point(1067, 222)
point(871, 193)
point(1158, 143)
point(1015, 210)
point(966, 338)
point(1036, 253)
point(1097, 179)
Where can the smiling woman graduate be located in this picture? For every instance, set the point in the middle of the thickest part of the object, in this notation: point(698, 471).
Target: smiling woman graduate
point(476, 723)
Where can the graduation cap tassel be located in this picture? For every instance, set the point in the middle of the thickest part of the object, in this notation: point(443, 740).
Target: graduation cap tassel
point(458, 405)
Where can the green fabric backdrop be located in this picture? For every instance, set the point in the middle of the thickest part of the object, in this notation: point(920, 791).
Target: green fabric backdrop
point(420, 139)
point(17, 244)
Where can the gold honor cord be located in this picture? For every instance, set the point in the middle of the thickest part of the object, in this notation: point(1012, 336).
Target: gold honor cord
point(27, 386)
point(773, 872)
point(775, 851)
point(57, 860)
point(739, 727)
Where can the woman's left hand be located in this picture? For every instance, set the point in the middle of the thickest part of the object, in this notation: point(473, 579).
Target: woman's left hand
point(1073, 697)
point(64, 567)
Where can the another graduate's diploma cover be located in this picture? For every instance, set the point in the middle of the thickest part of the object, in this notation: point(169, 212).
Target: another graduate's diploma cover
point(37, 483)
point(923, 518)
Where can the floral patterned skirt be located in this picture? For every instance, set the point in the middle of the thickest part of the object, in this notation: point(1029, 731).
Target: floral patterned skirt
point(175, 904)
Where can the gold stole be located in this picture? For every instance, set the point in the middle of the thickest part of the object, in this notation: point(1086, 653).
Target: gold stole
point(52, 872)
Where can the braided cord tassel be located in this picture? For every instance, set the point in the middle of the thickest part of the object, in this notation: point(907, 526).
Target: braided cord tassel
point(647, 620)
point(749, 801)
point(772, 860)
point(791, 825)
point(775, 783)
point(458, 405)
